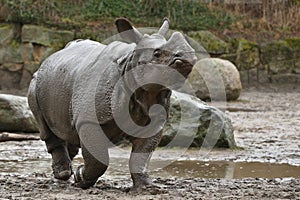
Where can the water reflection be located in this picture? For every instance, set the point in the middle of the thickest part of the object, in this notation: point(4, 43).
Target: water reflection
point(32, 157)
point(227, 169)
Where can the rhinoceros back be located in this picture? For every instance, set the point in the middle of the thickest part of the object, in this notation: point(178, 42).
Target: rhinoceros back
point(64, 78)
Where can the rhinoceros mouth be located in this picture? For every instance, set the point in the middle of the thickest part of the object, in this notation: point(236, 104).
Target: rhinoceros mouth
point(182, 66)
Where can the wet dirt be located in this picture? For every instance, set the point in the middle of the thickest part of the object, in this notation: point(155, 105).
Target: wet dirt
point(267, 128)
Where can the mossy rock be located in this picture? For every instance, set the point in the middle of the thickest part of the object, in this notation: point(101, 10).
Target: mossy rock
point(276, 51)
point(286, 78)
point(193, 123)
point(31, 67)
point(281, 67)
point(294, 44)
point(45, 36)
point(12, 53)
point(6, 34)
point(297, 66)
point(233, 44)
point(2, 53)
point(247, 55)
point(210, 42)
point(280, 56)
point(9, 79)
point(12, 67)
point(230, 57)
point(16, 52)
point(28, 55)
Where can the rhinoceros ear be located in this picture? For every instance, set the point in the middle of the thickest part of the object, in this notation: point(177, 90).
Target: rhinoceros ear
point(127, 31)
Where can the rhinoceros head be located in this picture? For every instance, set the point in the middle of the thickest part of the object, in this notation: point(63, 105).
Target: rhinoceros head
point(155, 50)
point(152, 69)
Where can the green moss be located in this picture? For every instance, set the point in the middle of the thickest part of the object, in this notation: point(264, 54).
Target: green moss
point(210, 42)
point(247, 44)
point(247, 55)
point(294, 43)
point(14, 44)
point(276, 51)
point(5, 34)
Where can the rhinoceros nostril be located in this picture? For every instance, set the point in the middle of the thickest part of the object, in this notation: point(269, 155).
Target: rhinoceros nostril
point(178, 55)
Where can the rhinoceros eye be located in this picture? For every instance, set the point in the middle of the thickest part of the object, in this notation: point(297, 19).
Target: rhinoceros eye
point(157, 53)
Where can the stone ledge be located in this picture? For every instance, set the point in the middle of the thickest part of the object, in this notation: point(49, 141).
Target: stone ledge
point(45, 36)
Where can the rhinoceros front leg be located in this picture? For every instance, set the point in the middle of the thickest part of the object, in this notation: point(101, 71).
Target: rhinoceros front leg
point(142, 149)
point(88, 174)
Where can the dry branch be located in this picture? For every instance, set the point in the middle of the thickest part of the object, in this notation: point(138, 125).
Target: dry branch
point(4, 137)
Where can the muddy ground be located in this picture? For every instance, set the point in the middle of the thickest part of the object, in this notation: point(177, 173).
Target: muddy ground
point(267, 127)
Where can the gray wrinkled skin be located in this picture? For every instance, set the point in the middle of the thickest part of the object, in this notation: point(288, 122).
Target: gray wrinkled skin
point(60, 91)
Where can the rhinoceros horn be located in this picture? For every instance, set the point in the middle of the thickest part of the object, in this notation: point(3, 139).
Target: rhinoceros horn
point(164, 27)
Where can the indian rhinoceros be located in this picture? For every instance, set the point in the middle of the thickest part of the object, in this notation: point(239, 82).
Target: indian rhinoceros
point(89, 96)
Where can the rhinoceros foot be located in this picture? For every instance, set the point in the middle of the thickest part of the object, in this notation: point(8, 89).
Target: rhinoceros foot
point(140, 180)
point(62, 175)
point(80, 181)
point(61, 164)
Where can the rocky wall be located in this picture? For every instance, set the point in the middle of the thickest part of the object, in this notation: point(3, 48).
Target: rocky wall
point(272, 62)
point(24, 47)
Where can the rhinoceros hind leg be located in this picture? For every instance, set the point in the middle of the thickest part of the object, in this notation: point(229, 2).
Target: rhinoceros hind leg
point(61, 164)
point(88, 174)
point(61, 161)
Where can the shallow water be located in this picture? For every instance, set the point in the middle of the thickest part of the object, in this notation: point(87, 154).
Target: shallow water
point(31, 156)
point(227, 169)
point(179, 169)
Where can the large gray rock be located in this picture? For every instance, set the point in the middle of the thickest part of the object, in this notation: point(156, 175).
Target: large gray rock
point(15, 115)
point(194, 123)
point(214, 79)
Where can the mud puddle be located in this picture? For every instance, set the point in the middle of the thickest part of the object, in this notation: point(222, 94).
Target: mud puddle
point(31, 157)
point(178, 169)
